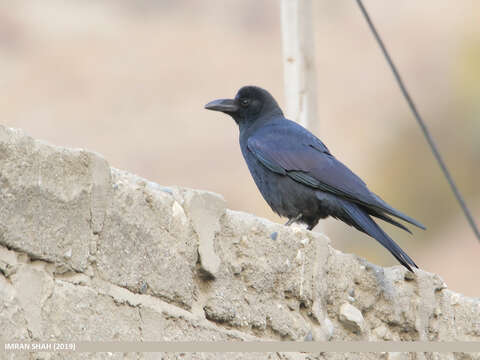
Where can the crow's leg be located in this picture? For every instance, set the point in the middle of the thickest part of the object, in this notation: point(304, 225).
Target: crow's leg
point(292, 220)
point(312, 224)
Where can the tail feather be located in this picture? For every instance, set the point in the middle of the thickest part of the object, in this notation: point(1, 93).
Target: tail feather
point(384, 207)
point(387, 218)
point(355, 216)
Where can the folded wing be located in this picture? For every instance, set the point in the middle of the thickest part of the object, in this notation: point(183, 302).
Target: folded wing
point(288, 149)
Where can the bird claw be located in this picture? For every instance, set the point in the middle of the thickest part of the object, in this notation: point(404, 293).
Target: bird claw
point(292, 220)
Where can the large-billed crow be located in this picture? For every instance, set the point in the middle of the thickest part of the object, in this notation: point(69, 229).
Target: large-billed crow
point(298, 176)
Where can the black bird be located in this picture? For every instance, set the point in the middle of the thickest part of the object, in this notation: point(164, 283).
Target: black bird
point(298, 176)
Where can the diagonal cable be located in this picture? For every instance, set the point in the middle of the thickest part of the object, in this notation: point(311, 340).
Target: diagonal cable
point(421, 123)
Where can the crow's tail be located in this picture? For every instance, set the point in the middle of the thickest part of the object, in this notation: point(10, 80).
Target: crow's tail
point(384, 207)
point(355, 216)
point(386, 218)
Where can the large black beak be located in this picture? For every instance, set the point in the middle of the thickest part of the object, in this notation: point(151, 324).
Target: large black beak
point(225, 105)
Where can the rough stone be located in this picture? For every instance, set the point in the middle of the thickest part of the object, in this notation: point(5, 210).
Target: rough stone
point(33, 296)
point(397, 356)
point(46, 195)
point(205, 209)
point(271, 282)
point(144, 244)
point(351, 318)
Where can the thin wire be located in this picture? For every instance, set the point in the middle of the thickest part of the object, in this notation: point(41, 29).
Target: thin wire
point(420, 121)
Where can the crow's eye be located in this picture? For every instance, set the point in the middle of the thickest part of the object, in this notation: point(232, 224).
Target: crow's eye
point(244, 102)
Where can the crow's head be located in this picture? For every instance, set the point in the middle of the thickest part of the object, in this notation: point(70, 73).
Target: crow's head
point(250, 104)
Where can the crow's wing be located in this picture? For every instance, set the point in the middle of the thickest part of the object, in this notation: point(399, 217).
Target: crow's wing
point(288, 149)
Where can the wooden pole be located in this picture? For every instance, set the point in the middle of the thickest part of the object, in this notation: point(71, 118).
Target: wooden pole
point(299, 65)
point(299, 62)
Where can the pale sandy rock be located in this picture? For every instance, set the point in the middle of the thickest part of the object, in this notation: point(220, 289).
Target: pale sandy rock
point(47, 194)
point(8, 261)
point(87, 315)
point(397, 356)
point(33, 286)
point(351, 318)
point(143, 247)
point(205, 209)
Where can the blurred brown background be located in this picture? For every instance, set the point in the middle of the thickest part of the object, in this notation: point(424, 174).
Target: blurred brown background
point(129, 79)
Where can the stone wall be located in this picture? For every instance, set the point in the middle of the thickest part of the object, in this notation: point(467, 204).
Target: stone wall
point(92, 253)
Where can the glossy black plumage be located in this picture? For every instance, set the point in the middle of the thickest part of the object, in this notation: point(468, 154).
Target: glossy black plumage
point(298, 176)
